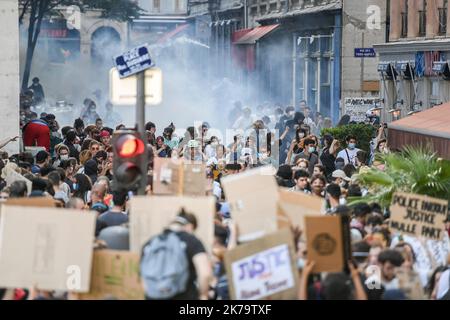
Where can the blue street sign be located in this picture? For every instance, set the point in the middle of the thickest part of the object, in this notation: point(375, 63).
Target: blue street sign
point(133, 61)
point(365, 53)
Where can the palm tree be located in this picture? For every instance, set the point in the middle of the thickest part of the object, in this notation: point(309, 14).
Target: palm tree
point(414, 170)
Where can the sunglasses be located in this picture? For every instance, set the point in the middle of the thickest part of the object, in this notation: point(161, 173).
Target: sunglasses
point(95, 149)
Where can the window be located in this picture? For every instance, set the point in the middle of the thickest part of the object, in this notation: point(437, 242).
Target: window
point(423, 20)
point(443, 18)
point(404, 33)
point(156, 5)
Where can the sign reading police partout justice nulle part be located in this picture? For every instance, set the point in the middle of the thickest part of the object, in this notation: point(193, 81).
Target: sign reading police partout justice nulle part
point(418, 215)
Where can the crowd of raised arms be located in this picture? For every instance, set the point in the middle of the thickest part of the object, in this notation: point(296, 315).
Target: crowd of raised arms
point(75, 167)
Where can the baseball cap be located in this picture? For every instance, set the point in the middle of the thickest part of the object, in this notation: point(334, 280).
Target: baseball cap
point(340, 174)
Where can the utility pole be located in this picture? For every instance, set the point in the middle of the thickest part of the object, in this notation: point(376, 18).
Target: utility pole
point(140, 122)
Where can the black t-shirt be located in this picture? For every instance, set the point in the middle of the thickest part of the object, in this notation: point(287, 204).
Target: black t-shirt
point(193, 247)
point(328, 160)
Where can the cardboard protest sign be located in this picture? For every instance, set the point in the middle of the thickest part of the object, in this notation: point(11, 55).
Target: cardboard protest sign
point(418, 215)
point(174, 176)
point(263, 269)
point(166, 176)
point(194, 179)
point(115, 274)
point(32, 202)
point(328, 242)
point(149, 216)
point(294, 206)
point(253, 199)
point(48, 248)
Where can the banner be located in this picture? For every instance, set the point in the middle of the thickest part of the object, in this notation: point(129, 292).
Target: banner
point(418, 215)
point(357, 108)
point(48, 248)
point(115, 274)
point(149, 216)
point(263, 269)
point(253, 199)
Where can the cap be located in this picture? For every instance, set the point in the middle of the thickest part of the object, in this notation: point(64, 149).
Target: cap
point(340, 174)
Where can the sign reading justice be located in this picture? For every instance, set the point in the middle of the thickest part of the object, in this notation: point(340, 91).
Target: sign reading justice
point(418, 215)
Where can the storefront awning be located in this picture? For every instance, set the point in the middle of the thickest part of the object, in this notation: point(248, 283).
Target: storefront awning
point(255, 34)
point(429, 126)
point(171, 34)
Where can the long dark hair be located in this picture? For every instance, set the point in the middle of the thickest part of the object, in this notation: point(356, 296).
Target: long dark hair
point(84, 185)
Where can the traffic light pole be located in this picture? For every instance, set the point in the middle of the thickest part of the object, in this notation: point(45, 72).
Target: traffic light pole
point(140, 121)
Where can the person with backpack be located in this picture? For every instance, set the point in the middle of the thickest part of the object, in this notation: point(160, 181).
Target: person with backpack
point(173, 262)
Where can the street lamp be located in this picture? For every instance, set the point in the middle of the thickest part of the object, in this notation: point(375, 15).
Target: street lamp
point(376, 111)
point(395, 113)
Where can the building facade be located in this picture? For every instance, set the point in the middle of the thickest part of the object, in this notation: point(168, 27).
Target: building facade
point(9, 73)
point(286, 51)
point(414, 71)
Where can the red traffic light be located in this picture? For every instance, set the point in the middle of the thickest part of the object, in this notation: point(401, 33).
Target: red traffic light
point(129, 146)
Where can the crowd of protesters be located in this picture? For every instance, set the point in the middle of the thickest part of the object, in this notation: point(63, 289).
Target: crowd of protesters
point(75, 167)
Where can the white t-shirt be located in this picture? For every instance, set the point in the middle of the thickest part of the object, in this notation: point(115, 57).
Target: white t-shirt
point(349, 156)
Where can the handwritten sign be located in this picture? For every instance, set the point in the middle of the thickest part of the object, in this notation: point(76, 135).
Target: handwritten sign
point(115, 274)
point(263, 269)
point(357, 108)
point(418, 215)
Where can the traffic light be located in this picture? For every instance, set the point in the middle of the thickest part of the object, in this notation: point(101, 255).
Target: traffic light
point(130, 160)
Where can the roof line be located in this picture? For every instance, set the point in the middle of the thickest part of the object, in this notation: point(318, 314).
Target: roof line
point(426, 132)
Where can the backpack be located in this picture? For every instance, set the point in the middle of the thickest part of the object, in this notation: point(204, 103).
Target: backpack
point(164, 266)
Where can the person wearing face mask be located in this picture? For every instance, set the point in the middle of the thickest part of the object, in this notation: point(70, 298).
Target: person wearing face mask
point(340, 178)
point(70, 142)
point(308, 153)
point(287, 116)
point(349, 153)
point(62, 154)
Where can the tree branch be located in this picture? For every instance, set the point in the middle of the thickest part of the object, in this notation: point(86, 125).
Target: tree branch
point(24, 10)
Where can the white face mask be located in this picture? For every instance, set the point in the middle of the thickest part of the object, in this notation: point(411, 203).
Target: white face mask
point(64, 157)
point(78, 147)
